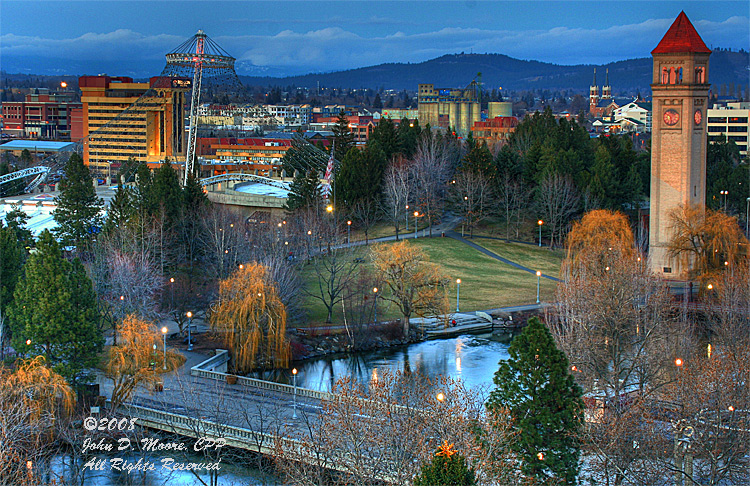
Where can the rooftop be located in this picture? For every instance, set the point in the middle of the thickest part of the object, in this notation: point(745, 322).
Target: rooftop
point(39, 145)
point(681, 37)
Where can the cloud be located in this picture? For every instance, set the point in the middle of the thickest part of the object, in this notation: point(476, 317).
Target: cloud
point(336, 48)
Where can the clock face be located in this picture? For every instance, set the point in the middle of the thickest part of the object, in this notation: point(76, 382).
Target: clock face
point(671, 117)
point(698, 116)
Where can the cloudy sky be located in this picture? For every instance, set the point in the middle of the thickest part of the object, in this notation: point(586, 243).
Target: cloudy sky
point(290, 37)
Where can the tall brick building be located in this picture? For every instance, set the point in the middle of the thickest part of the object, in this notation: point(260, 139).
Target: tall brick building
point(678, 146)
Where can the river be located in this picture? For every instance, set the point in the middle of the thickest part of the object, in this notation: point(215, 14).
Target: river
point(473, 359)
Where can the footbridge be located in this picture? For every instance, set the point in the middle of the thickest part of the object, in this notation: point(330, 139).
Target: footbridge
point(41, 172)
point(240, 177)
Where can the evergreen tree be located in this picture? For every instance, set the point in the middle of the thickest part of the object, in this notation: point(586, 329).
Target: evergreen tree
point(26, 159)
point(342, 136)
point(166, 192)
point(54, 308)
point(448, 467)
point(361, 174)
point(408, 136)
point(479, 161)
point(535, 386)
point(11, 267)
point(377, 103)
point(304, 191)
point(16, 220)
point(385, 135)
point(121, 209)
point(78, 213)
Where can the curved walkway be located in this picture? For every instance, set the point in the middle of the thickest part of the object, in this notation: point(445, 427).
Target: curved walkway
point(458, 237)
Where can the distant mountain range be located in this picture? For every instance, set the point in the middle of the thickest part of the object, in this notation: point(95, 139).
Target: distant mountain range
point(498, 70)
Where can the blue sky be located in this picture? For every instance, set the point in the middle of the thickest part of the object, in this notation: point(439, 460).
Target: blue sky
point(298, 37)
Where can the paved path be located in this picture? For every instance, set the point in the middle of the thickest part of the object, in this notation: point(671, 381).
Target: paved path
point(457, 237)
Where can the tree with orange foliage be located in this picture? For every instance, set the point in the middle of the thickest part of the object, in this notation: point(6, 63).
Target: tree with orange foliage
point(135, 360)
point(30, 403)
point(250, 320)
point(416, 285)
point(596, 238)
point(703, 240)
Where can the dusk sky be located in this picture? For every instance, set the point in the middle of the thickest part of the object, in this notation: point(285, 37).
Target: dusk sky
point(285, 38)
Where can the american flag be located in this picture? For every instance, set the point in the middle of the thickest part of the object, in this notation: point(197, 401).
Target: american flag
point(327, 179)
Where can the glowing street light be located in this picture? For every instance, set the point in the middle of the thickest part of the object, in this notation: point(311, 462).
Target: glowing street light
point(294, 375)
point(458, 291)
point(540, 223)
point(375, 291)
point(441, 397)
point(407, 216)
point(329, 208)
point(164, 334)
point(190, 324)
point(416, 213)
point(348, 231)
point(538, 282)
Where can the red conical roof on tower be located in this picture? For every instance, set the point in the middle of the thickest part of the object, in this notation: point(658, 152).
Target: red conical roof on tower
point(681, 37)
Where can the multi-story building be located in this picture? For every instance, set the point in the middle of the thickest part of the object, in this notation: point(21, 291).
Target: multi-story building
point(634, 116)
point(41, 115)
point(361, 126)
point(116, 129)
point(261, 156)
point(494, 130)
point(460, 105)
point(730, 121)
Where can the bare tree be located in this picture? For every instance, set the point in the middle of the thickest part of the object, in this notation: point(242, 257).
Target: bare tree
point(224, 239)
point(416, 285)
point(558, 201)
point(473, 196)
point(430, 171)
point(397, 193)
point(513, 200)
point(333, 270)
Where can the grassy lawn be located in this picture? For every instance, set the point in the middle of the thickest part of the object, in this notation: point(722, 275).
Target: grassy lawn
point(544, 259)
point(486, 283)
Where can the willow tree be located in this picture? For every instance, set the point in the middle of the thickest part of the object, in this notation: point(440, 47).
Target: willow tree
point(30, 403)
point(596, 239)
point(250, 319)
point(706, 241)
point(137, 359)
point(416, 285)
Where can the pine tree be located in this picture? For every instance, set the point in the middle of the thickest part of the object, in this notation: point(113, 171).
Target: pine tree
point(167, 193)
point(11, 267)
point(304, 191)
point(544, 402)
point(54, 312)
point(385, 135)
point(78, 214)
point(121, 209)
point(448, 467)
point(342, 136)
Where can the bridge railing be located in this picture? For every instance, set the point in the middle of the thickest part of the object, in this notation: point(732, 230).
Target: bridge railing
point(201, 370)
point(244, 177)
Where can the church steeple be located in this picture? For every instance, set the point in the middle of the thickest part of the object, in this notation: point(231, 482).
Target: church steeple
point(606, 89)
point(593, 94)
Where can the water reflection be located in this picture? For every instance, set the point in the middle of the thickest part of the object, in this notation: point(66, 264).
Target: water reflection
point(473, 359)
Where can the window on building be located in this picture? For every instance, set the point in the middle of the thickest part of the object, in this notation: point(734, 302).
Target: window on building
point(715, 129)
point(737, 119)
point(717, 119)
point(742, 129)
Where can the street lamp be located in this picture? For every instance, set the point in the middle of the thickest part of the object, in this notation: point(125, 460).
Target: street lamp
point(348, 231)
point(441, 397)
point(538, 281)
point(164, 333)
point(190, 324)
point(294, 377)
point(540, 223)
point(724, 193)
point(458, 291)
point(329, 209)
point(416, 213)
point(171, 293)
point(407, 215)
point(375, 291)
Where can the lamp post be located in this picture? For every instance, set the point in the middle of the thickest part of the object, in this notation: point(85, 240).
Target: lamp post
point(348, 231)
point(416, 213)
point(458, 291)
point(190, 324)
point(540, 223)
point(407, 216)
point(538, 281)
point(724, 193)
point(747, 218)
point(164, 334)
point(375, 291)
point(294, 377)
point(171, 293)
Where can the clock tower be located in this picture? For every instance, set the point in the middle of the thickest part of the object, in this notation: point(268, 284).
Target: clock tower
point(678, 144)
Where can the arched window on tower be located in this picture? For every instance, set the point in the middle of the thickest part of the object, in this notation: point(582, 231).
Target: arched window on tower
point(672, 76)
point(679, 76)
point(700, 75)
point(664, 76)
